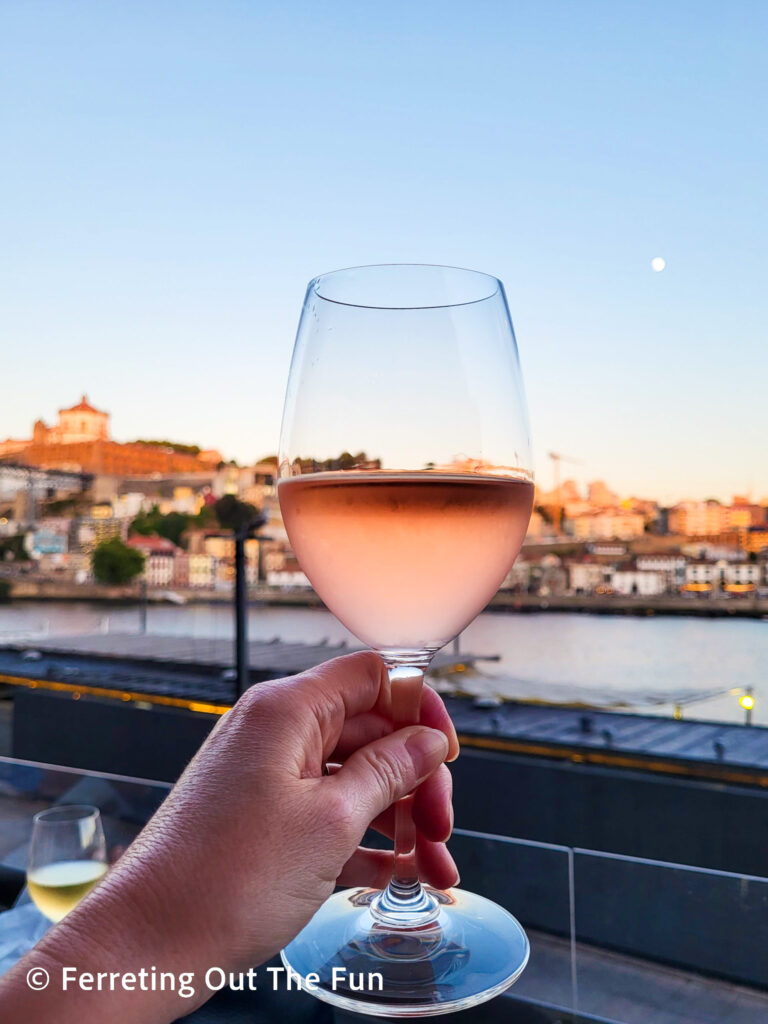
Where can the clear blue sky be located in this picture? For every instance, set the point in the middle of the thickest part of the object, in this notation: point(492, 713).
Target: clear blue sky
point(174, 172)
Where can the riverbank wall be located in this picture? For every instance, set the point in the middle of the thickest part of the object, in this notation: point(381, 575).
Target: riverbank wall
point(666, 604)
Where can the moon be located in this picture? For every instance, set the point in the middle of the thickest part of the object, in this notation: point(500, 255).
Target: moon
point(658, 264)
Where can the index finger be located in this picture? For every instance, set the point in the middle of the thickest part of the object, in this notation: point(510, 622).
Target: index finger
point(338, 690)
point(372, 725)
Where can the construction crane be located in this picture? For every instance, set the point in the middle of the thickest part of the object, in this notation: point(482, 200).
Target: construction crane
point(557, 458)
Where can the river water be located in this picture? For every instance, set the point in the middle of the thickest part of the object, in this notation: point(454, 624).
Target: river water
point(597, 658)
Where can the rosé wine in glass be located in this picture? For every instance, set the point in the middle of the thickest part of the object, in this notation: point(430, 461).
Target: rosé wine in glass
point(405, 559)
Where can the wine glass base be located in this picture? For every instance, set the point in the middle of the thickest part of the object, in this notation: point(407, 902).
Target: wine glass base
point(470, 953)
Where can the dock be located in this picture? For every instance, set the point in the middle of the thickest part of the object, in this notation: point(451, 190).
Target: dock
point(182, 671)
point(191, 668)
point(700, 749)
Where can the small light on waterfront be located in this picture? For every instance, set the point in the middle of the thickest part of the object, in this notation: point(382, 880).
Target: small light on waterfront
point(747, 702)
point(658, 264)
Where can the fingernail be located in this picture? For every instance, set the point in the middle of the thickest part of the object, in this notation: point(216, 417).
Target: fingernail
point(456, 751)
point(427, 748)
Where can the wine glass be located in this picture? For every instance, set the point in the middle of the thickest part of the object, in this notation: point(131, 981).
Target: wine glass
point(406, 485)
point(67, 857)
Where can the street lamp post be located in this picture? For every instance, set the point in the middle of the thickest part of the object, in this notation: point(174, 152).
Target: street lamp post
point(241, 611)
point(747, 701)
point(244, 520)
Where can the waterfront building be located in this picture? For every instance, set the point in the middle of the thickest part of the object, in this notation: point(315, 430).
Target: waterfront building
point(755, 539)
point(159, 558)
point(549, 576)
point(742, 515)
point(185, 499)
point(181, 569)
point(699, 518)
point(518, 577)
point(91, 531)
point(614, 524)
point(220, 546)
point(51, 564)
point(79, 566)
point(588, 576)
point(701, 576)
point(742, 574)
point(722, 575)
point(537, 527)
point(46, 542)
point(630, 581)
point(671, 566)
point(202, 570)
point(708, 552)
point(607, 550)
point(128, 506)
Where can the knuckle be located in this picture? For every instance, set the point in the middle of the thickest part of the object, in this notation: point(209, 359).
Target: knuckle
point(325, 705)
point(258, 699)
point(388, 770)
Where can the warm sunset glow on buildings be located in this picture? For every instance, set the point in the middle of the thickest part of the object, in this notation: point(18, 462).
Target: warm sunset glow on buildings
point(80, 442)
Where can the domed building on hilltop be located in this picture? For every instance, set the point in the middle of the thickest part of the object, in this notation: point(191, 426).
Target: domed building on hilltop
point(80, 442)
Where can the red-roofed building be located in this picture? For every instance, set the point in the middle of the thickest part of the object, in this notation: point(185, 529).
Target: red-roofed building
point(159, 559)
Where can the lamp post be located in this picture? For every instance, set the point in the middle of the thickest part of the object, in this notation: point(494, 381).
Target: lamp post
point(143, 606)
point(747, 701)
point(241, 611)
point(244, 520)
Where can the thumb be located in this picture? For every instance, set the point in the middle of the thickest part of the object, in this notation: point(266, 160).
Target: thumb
point(382, 772)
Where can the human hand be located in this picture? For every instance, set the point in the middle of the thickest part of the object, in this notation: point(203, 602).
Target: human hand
point(264, 835)
point(254, 837)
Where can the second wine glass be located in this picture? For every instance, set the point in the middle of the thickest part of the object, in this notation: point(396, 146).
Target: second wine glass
point(67, 857)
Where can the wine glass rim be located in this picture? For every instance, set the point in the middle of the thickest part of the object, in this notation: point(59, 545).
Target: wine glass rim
point(65, 814)
point(494, 282)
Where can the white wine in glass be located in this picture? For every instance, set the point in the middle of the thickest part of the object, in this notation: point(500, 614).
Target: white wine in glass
point(67, 858)
point(406, 485)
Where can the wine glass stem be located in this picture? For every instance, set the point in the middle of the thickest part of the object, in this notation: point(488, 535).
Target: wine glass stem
point(405, 901)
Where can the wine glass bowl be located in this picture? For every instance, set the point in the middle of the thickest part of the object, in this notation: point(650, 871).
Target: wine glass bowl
point(67, 858)
point(406, 485)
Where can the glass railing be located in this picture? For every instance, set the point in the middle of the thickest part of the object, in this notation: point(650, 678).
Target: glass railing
point(665, 942)
point(533, 881)
point(613, 939)
point(27, 787)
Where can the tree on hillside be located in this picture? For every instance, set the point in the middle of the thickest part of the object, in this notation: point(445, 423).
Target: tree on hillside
point(204, 518)
point(170, 526)
point(237, 515)
point(182, 449)
point(116, 562)
point(173, 526)
point(146, 523)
